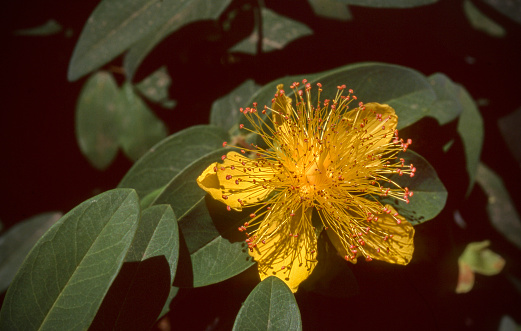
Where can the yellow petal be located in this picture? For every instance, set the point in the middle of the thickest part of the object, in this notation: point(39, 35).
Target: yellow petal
point(375, 120)
point(281, 106)
point(401, 244)
point(290, 256)
point(236, 182)
point(387, 240)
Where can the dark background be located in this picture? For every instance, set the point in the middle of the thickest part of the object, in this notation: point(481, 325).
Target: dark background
point(43, 169)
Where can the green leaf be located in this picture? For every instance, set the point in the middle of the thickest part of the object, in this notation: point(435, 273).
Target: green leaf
point(66, 275)
point(479, 21)
point(225, 111)
point(277, 32)
point(406, 90)
point(388, 3)
point(170, 156)
point(215, 253)
point(509, 8)
point(140, 129)
point(16, 243)
point(501, 209)
point(181, 13)
point(471, 130)
point(429, 196)
point(155, 88)
point(97, 119)
point(146, 276)
point(48, 28)
point(116, 25)
point(509, 128)
point(270, 306)
point(331, 9)
point(448, 104)
point(166, 307)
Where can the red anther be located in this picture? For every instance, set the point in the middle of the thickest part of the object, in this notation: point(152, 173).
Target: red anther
point(304, 81)
point(350, 91)
point(241, 126)
point(346, 258)
point(224, 197)
point(252, 215)
point(360, 104)
point(263, 241)
point(319, 85)
point(223, 168)
point(368, 258)
point(246, 223)
point(292, 214)
point(354, 97)
point(378, 250)
point(395, 214)
point(409, 141)
point(241, 110)
point(383, 127)
point(214, 169)
point(295, 235)
point(232, 167)
point(264, 111)
point(240, 228)
point(237, 181)
point(411, 193)
point(228, 208)
point(255, 104)
point(268, 208)
point(228, 177)
point(386, 237)
point(398, 221)
point(412, 174)
point(243, 163)
point(242, 151)
point(300, 92)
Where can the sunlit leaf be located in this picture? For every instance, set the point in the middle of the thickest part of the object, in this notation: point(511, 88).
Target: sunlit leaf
point(225, 111)
point(429, 196)
point(16, 243)
point(97, 119)
point(477, 258)
point(270, 306)
point(66, 275)
point(155, 88)
point(170, 156)
point(184, 12)
point(48, 28)
point(501, 209)
point(277, 32)
point(479, 21)
point(140, 129)
point(331, 9)
point(146, 276)
point(388, 3)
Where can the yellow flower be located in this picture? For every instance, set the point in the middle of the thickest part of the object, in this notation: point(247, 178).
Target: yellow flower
point(322, 161)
